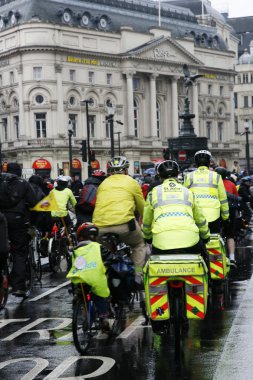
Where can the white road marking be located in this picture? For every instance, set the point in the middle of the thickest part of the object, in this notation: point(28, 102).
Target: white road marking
point(49, 292)
point(131, 328)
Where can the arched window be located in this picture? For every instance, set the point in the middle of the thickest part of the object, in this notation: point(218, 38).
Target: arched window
point(136, 118)
point(158, 119)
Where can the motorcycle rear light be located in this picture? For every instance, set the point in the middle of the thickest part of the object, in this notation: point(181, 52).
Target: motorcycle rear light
point(176, 284)
point(88, 297)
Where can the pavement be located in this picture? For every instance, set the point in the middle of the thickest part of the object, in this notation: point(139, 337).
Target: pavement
point(236, 359)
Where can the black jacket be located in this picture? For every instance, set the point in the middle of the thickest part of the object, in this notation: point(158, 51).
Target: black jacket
point(26, 199)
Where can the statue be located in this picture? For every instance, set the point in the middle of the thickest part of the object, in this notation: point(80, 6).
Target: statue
point(189, 80)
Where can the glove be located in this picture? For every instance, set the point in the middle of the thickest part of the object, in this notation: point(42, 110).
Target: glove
point(148, 241)
point(206, 240)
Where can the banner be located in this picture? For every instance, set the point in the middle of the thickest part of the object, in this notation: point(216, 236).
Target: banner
point(47, 204)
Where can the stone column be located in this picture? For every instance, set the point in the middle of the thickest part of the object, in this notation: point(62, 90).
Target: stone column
point(59, 127)
point(130, 104)
point(153, 120)
point(195, 109)
point(231, 126)
point(174, 103)
point(22, 127)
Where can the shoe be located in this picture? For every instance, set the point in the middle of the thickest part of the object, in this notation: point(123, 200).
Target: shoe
point(19, 293)
point(105, 325)
point(233, 264)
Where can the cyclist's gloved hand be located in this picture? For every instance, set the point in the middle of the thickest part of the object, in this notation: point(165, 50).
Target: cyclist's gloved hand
point(206, 240)
point(148, 241)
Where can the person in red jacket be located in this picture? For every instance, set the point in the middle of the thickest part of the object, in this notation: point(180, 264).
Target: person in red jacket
point(233, 200)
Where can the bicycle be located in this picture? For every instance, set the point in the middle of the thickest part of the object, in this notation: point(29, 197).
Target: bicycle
point(60, 244)
point(176, 287)
point(4, 288)
point(219, 270)
point(34, 253)
point(85, 320)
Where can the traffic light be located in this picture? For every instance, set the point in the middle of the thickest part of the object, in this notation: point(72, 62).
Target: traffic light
point(84, 151)
point(92, 155)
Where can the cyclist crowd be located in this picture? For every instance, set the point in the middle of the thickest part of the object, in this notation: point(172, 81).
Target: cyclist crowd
point(165, 210)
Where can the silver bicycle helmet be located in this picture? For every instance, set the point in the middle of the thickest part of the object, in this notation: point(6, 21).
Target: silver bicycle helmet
point(118, 164)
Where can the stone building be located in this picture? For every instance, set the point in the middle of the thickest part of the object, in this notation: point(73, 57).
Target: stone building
point(118, 54)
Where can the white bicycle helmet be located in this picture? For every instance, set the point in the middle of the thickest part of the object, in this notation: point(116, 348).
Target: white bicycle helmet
point(118, 164)
point(202, 157)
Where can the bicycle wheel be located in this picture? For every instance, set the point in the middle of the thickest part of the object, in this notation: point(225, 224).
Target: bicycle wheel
point(29, 271)
point(4, 291)
point(36, 262)
point(119, 319)
point(83, 325)
point(54, 255)
point(177, 322)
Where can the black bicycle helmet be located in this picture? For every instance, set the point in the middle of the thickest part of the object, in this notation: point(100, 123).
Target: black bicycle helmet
point(167, 169)
point(222, 171)
point(202, 158)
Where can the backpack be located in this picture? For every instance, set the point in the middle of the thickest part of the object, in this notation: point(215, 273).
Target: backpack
point(9, 196)
point(87, 198)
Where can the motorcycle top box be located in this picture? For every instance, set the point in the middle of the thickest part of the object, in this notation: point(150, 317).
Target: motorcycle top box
point(163, 272)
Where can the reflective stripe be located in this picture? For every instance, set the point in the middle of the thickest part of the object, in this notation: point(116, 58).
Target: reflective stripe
point(150, 197)
point(205, 196)
point(170, 200)
point(201, 224)
point(191, 179)
point(173, 215)
point(204, 185)
point(225, 212)
point(222, 202)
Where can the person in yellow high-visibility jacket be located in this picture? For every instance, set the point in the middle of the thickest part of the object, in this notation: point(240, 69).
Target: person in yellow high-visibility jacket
point(209, 190)
point(172, 217)
point(88, 268)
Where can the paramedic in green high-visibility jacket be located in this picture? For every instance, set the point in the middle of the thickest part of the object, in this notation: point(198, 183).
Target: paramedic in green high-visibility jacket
point(172, 218)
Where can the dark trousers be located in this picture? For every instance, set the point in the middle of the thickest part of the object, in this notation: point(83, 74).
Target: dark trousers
point(19, 248)
point(3, 241)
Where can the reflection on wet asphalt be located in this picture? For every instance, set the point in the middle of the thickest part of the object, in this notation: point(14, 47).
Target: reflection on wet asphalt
point(140, 355)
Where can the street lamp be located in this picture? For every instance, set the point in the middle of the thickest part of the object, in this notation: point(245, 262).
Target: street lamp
point(70, 134)
point(110, 120)
point(87, 102)
point(246, 133)
point(118, 133)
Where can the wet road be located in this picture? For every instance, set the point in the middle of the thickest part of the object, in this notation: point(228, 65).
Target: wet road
point(36, 339)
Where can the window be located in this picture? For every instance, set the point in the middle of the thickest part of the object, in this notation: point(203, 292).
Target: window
point(245, 78)
point(72, 101)
point(37, 73)
point(236, 124)
point(39, 99)
point(159, 85)
point(209, 89)
point(11, 77)
point(236, 100)
point(245, 102)
point(92, 125)
point(72, 75)
point(16, 126)
point(252, 101)
point(136, 84)
point(107, 129)
point(41, 125)
point(208, 129)
point(109, 79)
point(158, 119)
point(251, 78)
point(1, 80)
point(73, 118)
point(220, 132)
point(221, 90)
point(91, 76)
point(5, 129)
point(136, 118)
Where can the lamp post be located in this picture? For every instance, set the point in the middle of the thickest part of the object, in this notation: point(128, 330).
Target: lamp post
point(87, 102)
point(110, 120)
point(70, 134)
point(118, 133)
point(246, 133)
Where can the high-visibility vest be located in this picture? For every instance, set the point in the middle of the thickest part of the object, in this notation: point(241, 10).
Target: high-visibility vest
point(210, 192)
point(172, 207)
point(88, 268)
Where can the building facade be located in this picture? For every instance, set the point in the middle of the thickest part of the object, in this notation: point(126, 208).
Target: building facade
point(54, 55)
